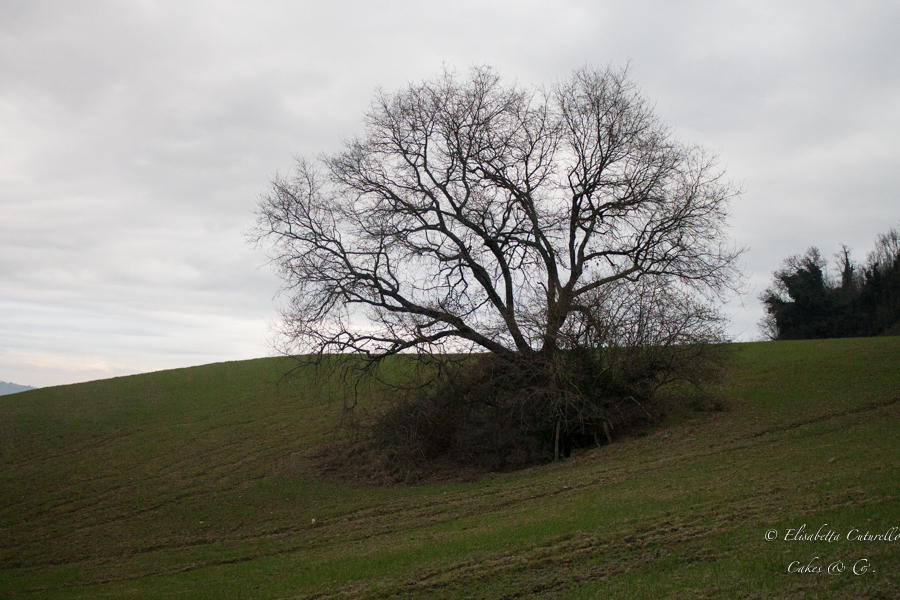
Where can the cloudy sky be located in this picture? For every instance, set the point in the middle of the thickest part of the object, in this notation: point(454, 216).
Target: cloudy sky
point(136, 137)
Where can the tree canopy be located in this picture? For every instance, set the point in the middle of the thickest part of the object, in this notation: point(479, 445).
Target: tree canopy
point(479, 214)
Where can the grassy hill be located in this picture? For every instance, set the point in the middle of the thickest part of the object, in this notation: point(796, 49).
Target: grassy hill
point(196, 483)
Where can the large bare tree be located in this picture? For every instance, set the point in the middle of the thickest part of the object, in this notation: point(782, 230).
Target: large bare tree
point(477, 214)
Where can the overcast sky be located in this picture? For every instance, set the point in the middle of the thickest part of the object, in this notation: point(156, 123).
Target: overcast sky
point(137, 136)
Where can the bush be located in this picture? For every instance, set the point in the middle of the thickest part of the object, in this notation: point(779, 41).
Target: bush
point(492, 414)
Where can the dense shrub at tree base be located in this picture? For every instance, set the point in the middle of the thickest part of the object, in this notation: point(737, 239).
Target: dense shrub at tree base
point(490, 414)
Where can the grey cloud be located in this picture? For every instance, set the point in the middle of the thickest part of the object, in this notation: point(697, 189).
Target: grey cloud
point(135, 138)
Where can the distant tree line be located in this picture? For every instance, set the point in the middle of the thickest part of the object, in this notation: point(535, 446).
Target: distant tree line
point(806, 302)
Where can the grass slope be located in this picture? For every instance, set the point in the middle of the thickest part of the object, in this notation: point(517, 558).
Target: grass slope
point(194, 483)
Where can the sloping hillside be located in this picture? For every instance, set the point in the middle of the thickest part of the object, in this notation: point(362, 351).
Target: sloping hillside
point(195, 483)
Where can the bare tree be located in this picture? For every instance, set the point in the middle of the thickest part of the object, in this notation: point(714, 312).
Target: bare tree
point(479, 215)
point(886, 252)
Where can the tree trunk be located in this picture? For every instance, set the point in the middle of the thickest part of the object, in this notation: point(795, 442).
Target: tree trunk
point(556, 443)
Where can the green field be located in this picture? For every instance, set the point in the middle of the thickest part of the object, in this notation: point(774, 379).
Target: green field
point(197, 483)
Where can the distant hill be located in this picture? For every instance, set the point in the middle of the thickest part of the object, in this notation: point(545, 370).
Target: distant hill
point(12, 388)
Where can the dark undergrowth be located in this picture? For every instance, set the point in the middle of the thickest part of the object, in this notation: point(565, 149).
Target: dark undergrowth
point(490, 415)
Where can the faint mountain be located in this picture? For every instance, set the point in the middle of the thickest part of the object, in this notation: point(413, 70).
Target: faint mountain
point(12, 388)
